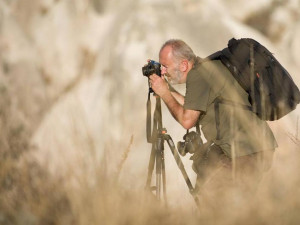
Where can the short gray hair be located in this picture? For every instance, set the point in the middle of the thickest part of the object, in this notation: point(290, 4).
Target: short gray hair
point(180, 50)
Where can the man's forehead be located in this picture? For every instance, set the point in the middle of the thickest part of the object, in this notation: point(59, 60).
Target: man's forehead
point(167, 50)
point(165, 54)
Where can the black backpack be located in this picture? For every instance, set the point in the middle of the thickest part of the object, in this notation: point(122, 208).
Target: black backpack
point(272, 92)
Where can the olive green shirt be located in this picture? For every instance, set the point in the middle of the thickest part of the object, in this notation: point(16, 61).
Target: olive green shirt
point(241, 132)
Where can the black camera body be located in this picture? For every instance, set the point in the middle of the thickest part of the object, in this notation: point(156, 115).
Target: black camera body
point(152, 67)
point(192, 142)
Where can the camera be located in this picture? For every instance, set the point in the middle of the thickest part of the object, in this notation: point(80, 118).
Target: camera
point(151, 68)
point(192, 142)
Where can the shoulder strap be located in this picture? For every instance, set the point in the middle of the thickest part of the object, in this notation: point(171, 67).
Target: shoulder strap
point(214, 56)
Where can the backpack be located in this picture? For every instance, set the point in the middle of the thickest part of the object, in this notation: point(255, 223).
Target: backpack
point(272, 91)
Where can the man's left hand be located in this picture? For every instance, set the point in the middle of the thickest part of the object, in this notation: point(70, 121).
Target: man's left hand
point(159, 85)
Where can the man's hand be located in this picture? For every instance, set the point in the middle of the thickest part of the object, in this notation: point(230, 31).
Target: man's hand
point(159, 85)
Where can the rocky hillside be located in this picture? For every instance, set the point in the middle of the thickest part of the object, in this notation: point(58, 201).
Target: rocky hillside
point(72, 93)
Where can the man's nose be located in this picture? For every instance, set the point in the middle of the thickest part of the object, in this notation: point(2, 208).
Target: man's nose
point(163, 70)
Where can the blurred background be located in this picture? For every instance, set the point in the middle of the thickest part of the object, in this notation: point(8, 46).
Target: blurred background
point(73, 146)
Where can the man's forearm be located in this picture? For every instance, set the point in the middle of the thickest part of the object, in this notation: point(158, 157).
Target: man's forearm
point(186, 118)
point(179, 98)
point(173, 105)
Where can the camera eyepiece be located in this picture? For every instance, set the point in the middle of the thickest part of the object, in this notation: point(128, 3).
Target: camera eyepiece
point(152, 67)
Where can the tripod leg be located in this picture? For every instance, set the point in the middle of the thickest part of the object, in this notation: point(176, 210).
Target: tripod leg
point(164, 178)
point(158, 175)
point(151, 167)
point(160, 150)
point(181, 167)
point(159, 165)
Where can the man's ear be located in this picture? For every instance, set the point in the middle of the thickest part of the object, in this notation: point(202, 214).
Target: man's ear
point(184, 65)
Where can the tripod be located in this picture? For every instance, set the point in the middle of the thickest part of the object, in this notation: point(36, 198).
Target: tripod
point(157, 160)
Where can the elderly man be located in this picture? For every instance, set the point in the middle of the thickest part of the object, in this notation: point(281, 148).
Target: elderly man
point(241, 145)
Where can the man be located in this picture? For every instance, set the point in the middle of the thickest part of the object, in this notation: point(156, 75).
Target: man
point(240, 145)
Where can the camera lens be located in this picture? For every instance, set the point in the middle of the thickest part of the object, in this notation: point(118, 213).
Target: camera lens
point(181, 148)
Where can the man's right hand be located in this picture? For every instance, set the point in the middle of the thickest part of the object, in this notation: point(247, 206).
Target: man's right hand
point(158, 85)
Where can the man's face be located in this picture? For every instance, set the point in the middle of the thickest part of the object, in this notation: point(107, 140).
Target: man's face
point(170, 68)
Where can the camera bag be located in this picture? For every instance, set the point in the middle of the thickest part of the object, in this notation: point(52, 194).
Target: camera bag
point(272, 91)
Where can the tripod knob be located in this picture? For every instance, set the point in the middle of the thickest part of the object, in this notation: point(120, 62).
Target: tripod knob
point(163, 131)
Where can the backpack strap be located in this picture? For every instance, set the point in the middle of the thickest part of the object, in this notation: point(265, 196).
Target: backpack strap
point(214, 56)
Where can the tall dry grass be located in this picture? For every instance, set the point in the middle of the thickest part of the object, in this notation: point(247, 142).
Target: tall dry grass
point(30, 195)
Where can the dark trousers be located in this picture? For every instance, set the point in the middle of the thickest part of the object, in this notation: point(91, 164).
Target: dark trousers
point(221, 180)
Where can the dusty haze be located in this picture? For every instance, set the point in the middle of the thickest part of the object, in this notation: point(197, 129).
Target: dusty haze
point(73, 145)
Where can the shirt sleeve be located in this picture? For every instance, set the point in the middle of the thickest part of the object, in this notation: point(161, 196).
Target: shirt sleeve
point(197, 90)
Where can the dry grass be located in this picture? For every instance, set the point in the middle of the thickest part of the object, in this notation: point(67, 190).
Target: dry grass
point(29, 195)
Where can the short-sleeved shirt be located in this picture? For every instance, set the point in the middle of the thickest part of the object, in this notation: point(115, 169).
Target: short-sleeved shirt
point(240, 131)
